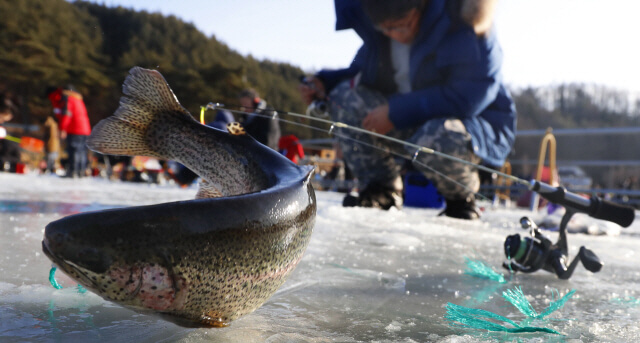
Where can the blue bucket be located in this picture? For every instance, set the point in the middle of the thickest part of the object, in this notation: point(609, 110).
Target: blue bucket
point(421, 192)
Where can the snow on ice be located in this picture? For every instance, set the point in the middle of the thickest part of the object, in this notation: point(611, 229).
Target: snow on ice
point(367, 275)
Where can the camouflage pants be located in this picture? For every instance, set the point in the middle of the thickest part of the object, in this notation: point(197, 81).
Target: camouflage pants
point(375, 160)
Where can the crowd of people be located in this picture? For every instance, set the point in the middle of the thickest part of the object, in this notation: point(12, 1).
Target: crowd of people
point(69, 127)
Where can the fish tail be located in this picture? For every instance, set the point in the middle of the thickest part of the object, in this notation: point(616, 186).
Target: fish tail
point(146, 97)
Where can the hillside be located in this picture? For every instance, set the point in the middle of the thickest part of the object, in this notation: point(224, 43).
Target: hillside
point(93, 47)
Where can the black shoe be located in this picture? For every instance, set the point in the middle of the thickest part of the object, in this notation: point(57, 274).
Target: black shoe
point(377, 196)
point(350, 201)
point(461, 209)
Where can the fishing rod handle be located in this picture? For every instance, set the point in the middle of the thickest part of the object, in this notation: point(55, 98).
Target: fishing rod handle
point(611, 211)
point(595, 207)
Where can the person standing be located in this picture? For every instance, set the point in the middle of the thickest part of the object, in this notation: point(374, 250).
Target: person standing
point(52, 143)
point(429, 71)
point(256, 120)
point(9, 150)
point(291, 147)
point(73, 121)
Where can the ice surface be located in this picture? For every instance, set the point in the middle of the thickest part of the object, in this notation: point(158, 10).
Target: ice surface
point(368, 275)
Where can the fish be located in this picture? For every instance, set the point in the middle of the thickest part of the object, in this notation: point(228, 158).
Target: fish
point(198, 263)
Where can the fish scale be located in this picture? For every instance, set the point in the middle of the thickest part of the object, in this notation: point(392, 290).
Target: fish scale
point(232, 173)
point(201, 262)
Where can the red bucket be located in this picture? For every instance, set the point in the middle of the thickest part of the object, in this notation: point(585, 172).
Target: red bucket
point(21, 168)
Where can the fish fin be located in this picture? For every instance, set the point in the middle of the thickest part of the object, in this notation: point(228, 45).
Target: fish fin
point(208, 190)
point(236, 129)
point(146, 96)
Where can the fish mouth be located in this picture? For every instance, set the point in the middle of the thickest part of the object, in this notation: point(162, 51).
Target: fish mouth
point(46, 250)
point(75, 258)
point(91, 278)
point(76, 272)
point(62, 243)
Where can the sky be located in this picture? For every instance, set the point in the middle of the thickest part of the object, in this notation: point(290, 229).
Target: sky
point(545, 42)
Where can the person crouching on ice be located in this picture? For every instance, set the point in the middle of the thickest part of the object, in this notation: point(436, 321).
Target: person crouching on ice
point(429, 71)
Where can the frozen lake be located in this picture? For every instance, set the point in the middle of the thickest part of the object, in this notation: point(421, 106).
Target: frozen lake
point(367, 275)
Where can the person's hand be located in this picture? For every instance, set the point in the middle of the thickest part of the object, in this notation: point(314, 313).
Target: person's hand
point(311, 89)
point(63, 134)
point(378, 120)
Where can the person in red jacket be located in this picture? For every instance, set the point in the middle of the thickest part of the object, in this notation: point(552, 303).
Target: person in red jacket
point(290, 147)
point(73, 121)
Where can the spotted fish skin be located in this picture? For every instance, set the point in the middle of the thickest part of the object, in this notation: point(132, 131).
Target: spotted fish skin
point(151, 122)
point(202, 262)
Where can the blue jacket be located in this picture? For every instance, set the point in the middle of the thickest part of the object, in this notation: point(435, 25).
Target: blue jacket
point(454, 73)
point(223, 117)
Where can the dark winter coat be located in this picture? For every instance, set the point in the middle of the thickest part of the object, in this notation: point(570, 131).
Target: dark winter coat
point(263, 128)
point(454, 73)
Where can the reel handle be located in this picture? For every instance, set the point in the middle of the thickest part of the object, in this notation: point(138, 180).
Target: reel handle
point(595, 207)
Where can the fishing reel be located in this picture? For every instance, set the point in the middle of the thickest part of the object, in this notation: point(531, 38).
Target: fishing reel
point(319, 109)
point(530, 254)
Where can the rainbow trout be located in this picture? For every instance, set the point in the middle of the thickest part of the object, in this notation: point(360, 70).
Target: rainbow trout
point(202, 262)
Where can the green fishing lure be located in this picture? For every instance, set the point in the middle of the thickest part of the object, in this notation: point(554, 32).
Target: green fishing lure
point(466, 317)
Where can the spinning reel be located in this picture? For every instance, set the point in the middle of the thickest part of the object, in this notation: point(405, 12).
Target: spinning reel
point(530, 254)
point(536, 252)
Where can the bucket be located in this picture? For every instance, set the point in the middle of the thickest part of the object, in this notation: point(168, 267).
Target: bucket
point(421, 192)
point(21, 168)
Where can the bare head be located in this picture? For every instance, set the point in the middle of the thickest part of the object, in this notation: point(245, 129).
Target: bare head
point(6, 109)
point(249, 98)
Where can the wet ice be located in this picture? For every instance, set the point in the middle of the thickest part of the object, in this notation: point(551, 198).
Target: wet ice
point(367, 275)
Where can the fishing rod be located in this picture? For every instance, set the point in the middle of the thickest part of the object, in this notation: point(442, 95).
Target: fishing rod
point(331, 131)
point(524, 254)
point(594, 206)
point(28, 143)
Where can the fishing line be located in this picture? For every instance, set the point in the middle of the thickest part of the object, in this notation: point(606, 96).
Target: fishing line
point(13, 139)
point(56, 285)
point(594, 206)
point(332, 132)
point(419, 148)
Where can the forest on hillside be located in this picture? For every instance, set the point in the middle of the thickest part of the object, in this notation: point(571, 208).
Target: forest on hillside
point(55, 42)
point(93, 46)
point(575, 106)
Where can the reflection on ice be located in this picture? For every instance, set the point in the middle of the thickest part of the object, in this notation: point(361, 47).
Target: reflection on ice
point(62, 208)
point(367, 275)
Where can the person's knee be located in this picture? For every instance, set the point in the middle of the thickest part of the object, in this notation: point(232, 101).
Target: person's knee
point(351, 104)
point(446, 135)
